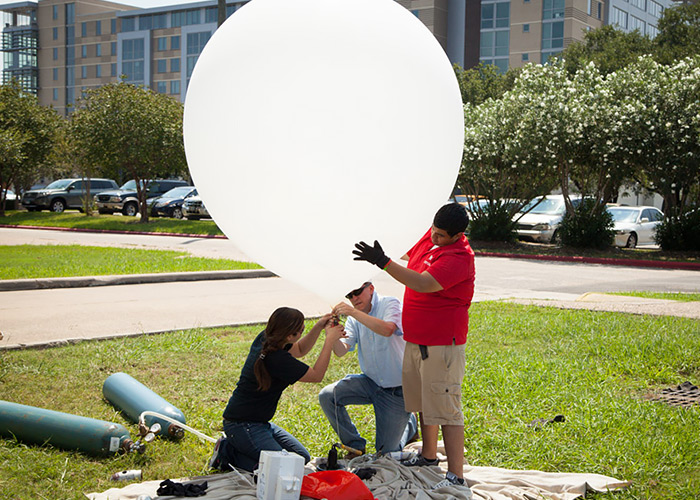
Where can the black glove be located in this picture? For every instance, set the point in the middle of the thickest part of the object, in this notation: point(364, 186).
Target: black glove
point(374, 255)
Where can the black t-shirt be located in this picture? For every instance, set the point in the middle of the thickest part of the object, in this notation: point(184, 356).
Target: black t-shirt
point(247, 403)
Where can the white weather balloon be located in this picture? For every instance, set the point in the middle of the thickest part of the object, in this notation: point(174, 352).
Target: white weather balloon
point(312, 124)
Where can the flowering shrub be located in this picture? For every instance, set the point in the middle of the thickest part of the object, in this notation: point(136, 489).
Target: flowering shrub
point(588, 226)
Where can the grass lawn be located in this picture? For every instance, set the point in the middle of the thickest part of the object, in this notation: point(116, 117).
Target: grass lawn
point(208, 227)
point(110, 222)
point(52, 261)
point(523, 363)
point(679, 296)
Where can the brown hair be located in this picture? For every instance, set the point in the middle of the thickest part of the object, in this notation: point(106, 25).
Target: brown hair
point(285, 321)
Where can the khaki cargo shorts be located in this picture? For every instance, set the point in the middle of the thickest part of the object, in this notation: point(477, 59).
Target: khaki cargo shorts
point(433, 385)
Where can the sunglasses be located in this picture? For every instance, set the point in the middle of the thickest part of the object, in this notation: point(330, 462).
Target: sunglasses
point(357, 292)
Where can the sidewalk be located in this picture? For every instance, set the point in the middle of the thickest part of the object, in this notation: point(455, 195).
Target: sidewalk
point(620, 303)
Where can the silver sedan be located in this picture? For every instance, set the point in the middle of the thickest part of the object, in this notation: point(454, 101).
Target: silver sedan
point(635, 225)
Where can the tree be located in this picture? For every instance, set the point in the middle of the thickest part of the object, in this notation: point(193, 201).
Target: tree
point(27, 134)
point(608, 47)
point(660, 138)
point(127, 130)
point(679, 33)
point(484, 82)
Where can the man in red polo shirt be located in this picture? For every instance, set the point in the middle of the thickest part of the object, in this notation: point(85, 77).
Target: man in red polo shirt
point(439, 281)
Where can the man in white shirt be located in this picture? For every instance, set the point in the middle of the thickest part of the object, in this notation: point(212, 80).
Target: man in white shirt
point(374, 327)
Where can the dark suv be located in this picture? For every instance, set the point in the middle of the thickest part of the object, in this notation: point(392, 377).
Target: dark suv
point(125, 199)
point(64, 193)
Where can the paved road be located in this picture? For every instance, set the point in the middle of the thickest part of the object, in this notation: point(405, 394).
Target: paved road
point(45, 316)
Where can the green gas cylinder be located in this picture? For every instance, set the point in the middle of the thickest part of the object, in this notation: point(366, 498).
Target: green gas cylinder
point(133, 398)
point(62, 430)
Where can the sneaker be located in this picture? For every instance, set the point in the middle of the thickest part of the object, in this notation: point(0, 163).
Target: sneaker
point(450, 480)
point(214, 460)
point(419, 461)
point(354, 454)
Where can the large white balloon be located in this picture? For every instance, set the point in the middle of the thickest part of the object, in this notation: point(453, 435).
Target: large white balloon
point(313, 124)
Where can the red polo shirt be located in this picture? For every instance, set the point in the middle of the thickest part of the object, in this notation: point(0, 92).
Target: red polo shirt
point(438, 318)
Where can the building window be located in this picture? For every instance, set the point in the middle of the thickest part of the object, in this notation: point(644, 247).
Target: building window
point(83, 51)
point(637, 24)
point(70, 55)
point(177, 19)
point(145, 22)
point(175, 87)
point(160, 21)
point(161, 87)
point(211, 15)
point(652, 31)
point(83, 29)
point(55, 33)
point(655, 9)
point(195, 44)
point(70, 76)
point(600, 10)
point(113, 48)
point(55, 94)
point(98, 71)
point(526, 28)
point(495, 15)
point(640, 4)
point(55, 11)
point(162, 43)
point(98, 50)
point(55, 74)
point(113, 26)
point(161, 65)
point(132, 60)
point(553, 36)
point(83, 72)
point(55, 53)
point(589, 7)
point(128, 24)
point(553, 9)
point(525, 57)
point(175, 65)
point(113, 69)
point(175, 42)
point(619, 17)
point(98, 28)
point(70, 13)
point(193, 17)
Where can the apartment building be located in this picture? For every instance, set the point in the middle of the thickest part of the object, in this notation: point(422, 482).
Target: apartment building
point(58, 48)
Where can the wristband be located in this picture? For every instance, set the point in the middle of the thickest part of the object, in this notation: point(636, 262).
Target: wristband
point(387, 265)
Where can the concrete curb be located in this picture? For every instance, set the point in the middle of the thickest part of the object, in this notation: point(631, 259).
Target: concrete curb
point(133, 279)
point(114, 231)
point(661, 264)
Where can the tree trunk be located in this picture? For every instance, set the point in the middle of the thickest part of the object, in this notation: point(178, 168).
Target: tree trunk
point(221, 9)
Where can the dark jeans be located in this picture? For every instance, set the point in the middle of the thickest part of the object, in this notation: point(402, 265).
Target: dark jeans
point(245, 440)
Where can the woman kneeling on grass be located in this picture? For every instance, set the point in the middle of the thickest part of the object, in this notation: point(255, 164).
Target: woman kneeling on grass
point(271, 367)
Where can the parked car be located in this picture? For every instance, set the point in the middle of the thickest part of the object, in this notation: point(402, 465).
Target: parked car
point(541, 222)
point(635, 225)
point(193, 209)
point(125, 199)
point(170, 204)
point(64, 193)
point(10, 198)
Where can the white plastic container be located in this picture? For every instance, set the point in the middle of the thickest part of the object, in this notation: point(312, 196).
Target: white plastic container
point(279, 475)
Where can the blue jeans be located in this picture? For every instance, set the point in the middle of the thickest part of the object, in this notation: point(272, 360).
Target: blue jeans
point(395, 426)
point(245, 440)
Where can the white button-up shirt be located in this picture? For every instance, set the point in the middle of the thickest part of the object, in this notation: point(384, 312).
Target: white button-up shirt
point(380, 357)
